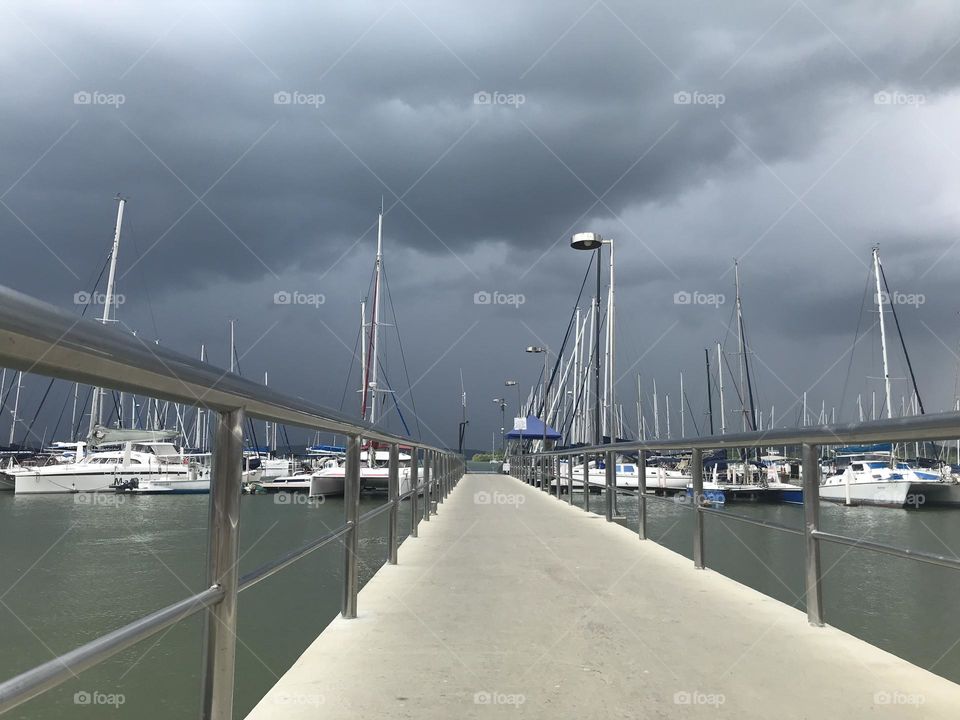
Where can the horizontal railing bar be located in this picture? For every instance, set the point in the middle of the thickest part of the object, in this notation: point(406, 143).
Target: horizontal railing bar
point(751, 521)
point(370, 514)
point(931, 558)
point(937, 426)
point(39, 338)
point(275, 566)
point(33, 682)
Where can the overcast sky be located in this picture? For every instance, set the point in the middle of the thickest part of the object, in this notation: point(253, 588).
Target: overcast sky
point(255, 141)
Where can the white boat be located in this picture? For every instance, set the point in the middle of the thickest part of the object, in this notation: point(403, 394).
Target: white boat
point(374, 475)
point(104, 471)
point(659, 477)
point(877, 479)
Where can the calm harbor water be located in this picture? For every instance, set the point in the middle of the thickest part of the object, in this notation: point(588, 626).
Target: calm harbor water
point(71, 571)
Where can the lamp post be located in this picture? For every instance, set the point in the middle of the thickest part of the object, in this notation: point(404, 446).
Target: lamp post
point(593, 241)
point(543, 420)
point(535, 349)
point(514, 383)
point(503, 424)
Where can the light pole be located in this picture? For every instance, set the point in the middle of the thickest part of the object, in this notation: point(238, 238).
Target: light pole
point(546, 353)
point(503, 424)
point(514, 383)
point(593, 241)
point(543, 419)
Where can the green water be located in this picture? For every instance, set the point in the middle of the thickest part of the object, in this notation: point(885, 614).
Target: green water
point(73, 571)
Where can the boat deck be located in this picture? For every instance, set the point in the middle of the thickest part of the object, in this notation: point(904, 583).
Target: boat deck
point(511, 598)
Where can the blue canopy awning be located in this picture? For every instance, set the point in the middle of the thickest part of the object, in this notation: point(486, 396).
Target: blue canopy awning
point(534, 431)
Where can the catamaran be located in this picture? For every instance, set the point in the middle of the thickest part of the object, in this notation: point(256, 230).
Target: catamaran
point(873, 476)
point(129, 458)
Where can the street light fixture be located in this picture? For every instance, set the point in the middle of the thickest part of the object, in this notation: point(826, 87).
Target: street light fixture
point(543, 420)
point(514, 383)
point(503, 423)
point(594, 241)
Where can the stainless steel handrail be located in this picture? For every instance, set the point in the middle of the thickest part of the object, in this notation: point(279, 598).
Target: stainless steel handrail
point(752, 521)
point(905, 553)
point(941, 426)
point(275, 566)
point(37, 680)
point(40, 338)
point(936, 426)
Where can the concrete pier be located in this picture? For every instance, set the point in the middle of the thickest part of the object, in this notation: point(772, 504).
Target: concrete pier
point(512, 603)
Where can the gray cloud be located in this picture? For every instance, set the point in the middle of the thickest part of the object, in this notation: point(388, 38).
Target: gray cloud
point(799, 171)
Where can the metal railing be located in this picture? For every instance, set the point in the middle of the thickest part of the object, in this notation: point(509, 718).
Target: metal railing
point(42, 339)
point(544, 469)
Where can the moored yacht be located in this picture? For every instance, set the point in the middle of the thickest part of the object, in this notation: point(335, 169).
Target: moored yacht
point(137, 456)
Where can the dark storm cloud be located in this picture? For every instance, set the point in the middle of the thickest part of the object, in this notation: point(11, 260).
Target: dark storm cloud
point(234, 196)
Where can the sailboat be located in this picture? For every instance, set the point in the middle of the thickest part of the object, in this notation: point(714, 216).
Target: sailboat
point(374, 461)
point(873, 475)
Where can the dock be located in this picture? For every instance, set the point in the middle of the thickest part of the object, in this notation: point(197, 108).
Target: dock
point(511, 601)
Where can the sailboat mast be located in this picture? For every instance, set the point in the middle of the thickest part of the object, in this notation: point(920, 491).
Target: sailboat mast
point(374, 347)
point(706, 354)
point(16, 407)
point(883, 331)
point(233, 346)
point(723, 414)
point(96, 404)
point(683, 426)
point(743, 394)
point(611, 327)
point(364, 389)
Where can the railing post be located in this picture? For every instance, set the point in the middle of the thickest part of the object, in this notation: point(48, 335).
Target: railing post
point(393, 492)
point(441, 477)
point(556, 474)
point(223, 552)
point(427, 461)
point(696, 462)
point(811, 517)
point(544, 479)
point(586, 483)
point(351, 540)
point(642, 494)
point(610, 460)
point(570, 479)
point(415, 497)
